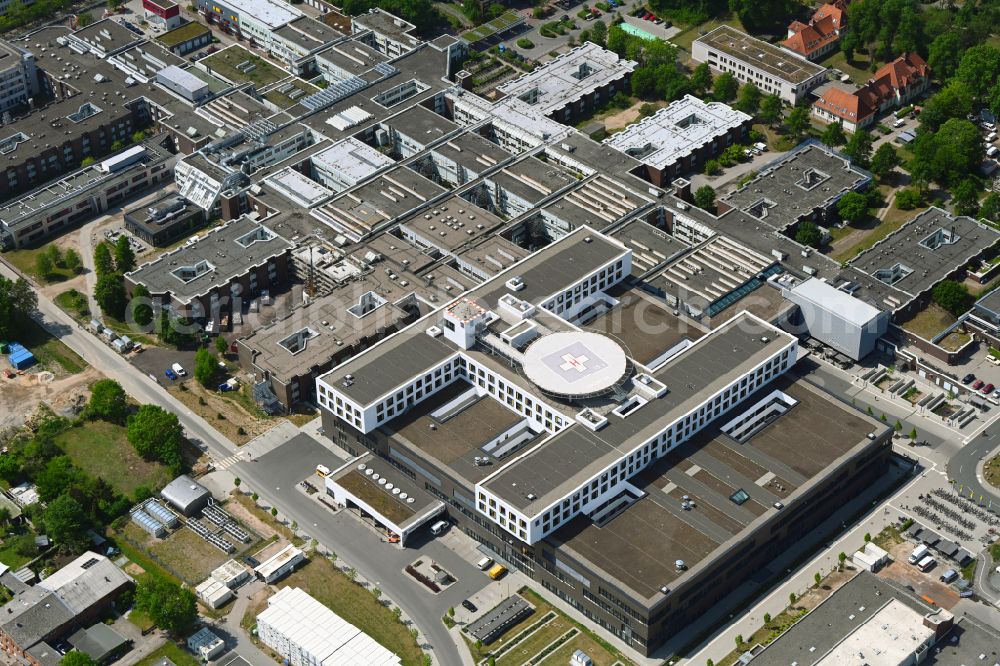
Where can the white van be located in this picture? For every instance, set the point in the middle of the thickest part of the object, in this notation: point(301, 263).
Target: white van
point(926, 564)
point(179, 369)
point(484, 563)
point(992, 151)
point(899, 123)
point(439, 527)
point(919, 553)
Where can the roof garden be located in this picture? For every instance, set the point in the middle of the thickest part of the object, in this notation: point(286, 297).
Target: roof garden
point(185, 33)
point(377, 498)
point(238, 65)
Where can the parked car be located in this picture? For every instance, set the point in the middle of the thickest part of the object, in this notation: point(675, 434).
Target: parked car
point(988, 389)
point(948, 576)
point(469, 606)
point(978, 384)
point(179, 369)
point(968, 378)
point(170, 374)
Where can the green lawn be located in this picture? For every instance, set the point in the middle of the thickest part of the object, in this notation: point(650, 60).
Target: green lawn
point(283, 99)
point(894, 219)
point(225, 63)
point(684, 38)
point(172, 651)
point(185, 33)
point(102, 450)
point(49, 351)
point(24, 261)
point(9, 554)
point(74, 304)
point(930, 321)
point(357, 605)
point(858, 69)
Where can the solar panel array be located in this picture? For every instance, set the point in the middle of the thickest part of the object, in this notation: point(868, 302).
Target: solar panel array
point(226, 522)
point(210, 536)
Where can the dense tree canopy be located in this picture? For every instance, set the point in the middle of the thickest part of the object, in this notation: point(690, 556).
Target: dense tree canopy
point(205, 366)
point(108, 401)
point(124, 256)
point(109, 292)
point(834, 135)
point(66, 523)
point(952, 296)
point(157, 434)
point(704, 197)
point(853, 207)
point(77, 658)
point(17, 301)
point(104, 262)
point(809, 234)
point(767, 16)
point(979, 68)
point(884, 160)
point(948, 155)
point(170, 606)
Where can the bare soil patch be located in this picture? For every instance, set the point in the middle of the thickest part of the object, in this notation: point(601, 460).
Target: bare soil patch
point(19, 396)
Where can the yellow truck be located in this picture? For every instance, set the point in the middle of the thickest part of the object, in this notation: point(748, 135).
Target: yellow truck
point(497, 572)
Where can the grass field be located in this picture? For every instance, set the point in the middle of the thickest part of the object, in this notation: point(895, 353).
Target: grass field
point(356, 605)
point(188, 554)
point(684, 38)
point(893, 220)
point(225, 63)
point(930, 321)
point(991, 470)
point(172, 651)
point(102, 450)
point(74, 304)
point(601, 653)
point(50, 352)
point(9, 554)
point(283, 100)
point(24, 261)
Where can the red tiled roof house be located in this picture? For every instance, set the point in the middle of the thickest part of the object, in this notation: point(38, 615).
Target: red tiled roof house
point(820, 36)
point(893, 85)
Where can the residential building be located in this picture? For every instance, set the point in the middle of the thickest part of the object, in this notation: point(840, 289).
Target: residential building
point(820, 36)
point(71, 598)
point(772, 69)
point(164, 14)
point(895, 84)
point(253, 19)
point(18, 77)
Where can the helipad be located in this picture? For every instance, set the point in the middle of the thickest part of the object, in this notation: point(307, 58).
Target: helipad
point(575, 364)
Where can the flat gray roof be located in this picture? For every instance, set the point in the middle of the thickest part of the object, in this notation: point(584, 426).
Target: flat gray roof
point(410, 352)
point(220, 255)
point(810, 177)
point(472, 151)
point(925, 250)
point(856, 603)
point(764, 56)
point(421, 124)
point(638, 548)
point(691, 378)
point(452, 224)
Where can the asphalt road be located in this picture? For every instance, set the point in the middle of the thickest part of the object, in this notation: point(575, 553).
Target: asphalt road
point(275, 475)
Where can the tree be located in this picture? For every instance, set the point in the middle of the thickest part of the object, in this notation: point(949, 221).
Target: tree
point(767, 618)
point(124, 256)
point(808, 234)
point(749, 99)
point(908, 199)
point(949, 155)
point(72, 261)
point(953, 101)
point(944, 54)
point(77, 658)
point(205, 366)
point(109, 292)
point(713, 168)
point(979, 68)
point(108, 402)
point(834, 135)
point(103, 262)
point(237, 481)
point(141, 306)
point(599, 33)
point(725, 87)
point(704, 197)
point(157, 434)
point(798, 121)
point(17, 300)
point(43, 265)
point(897, 426)
point(757, 16)
point(853, 207)
point(739, 640)
point(170, 606)
point(868, 537)
point(221, 346)
point(884, 160)
point(274, 512)
point(791, 597)
point(701, 78)
point(952, 296)
point(770, 109)
point(913, 434)
point(966, 197)
point(817, 577)
point(842, 557)
point(66, 523)
point(859, 148)
point(84, 19)
point(990, 208)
